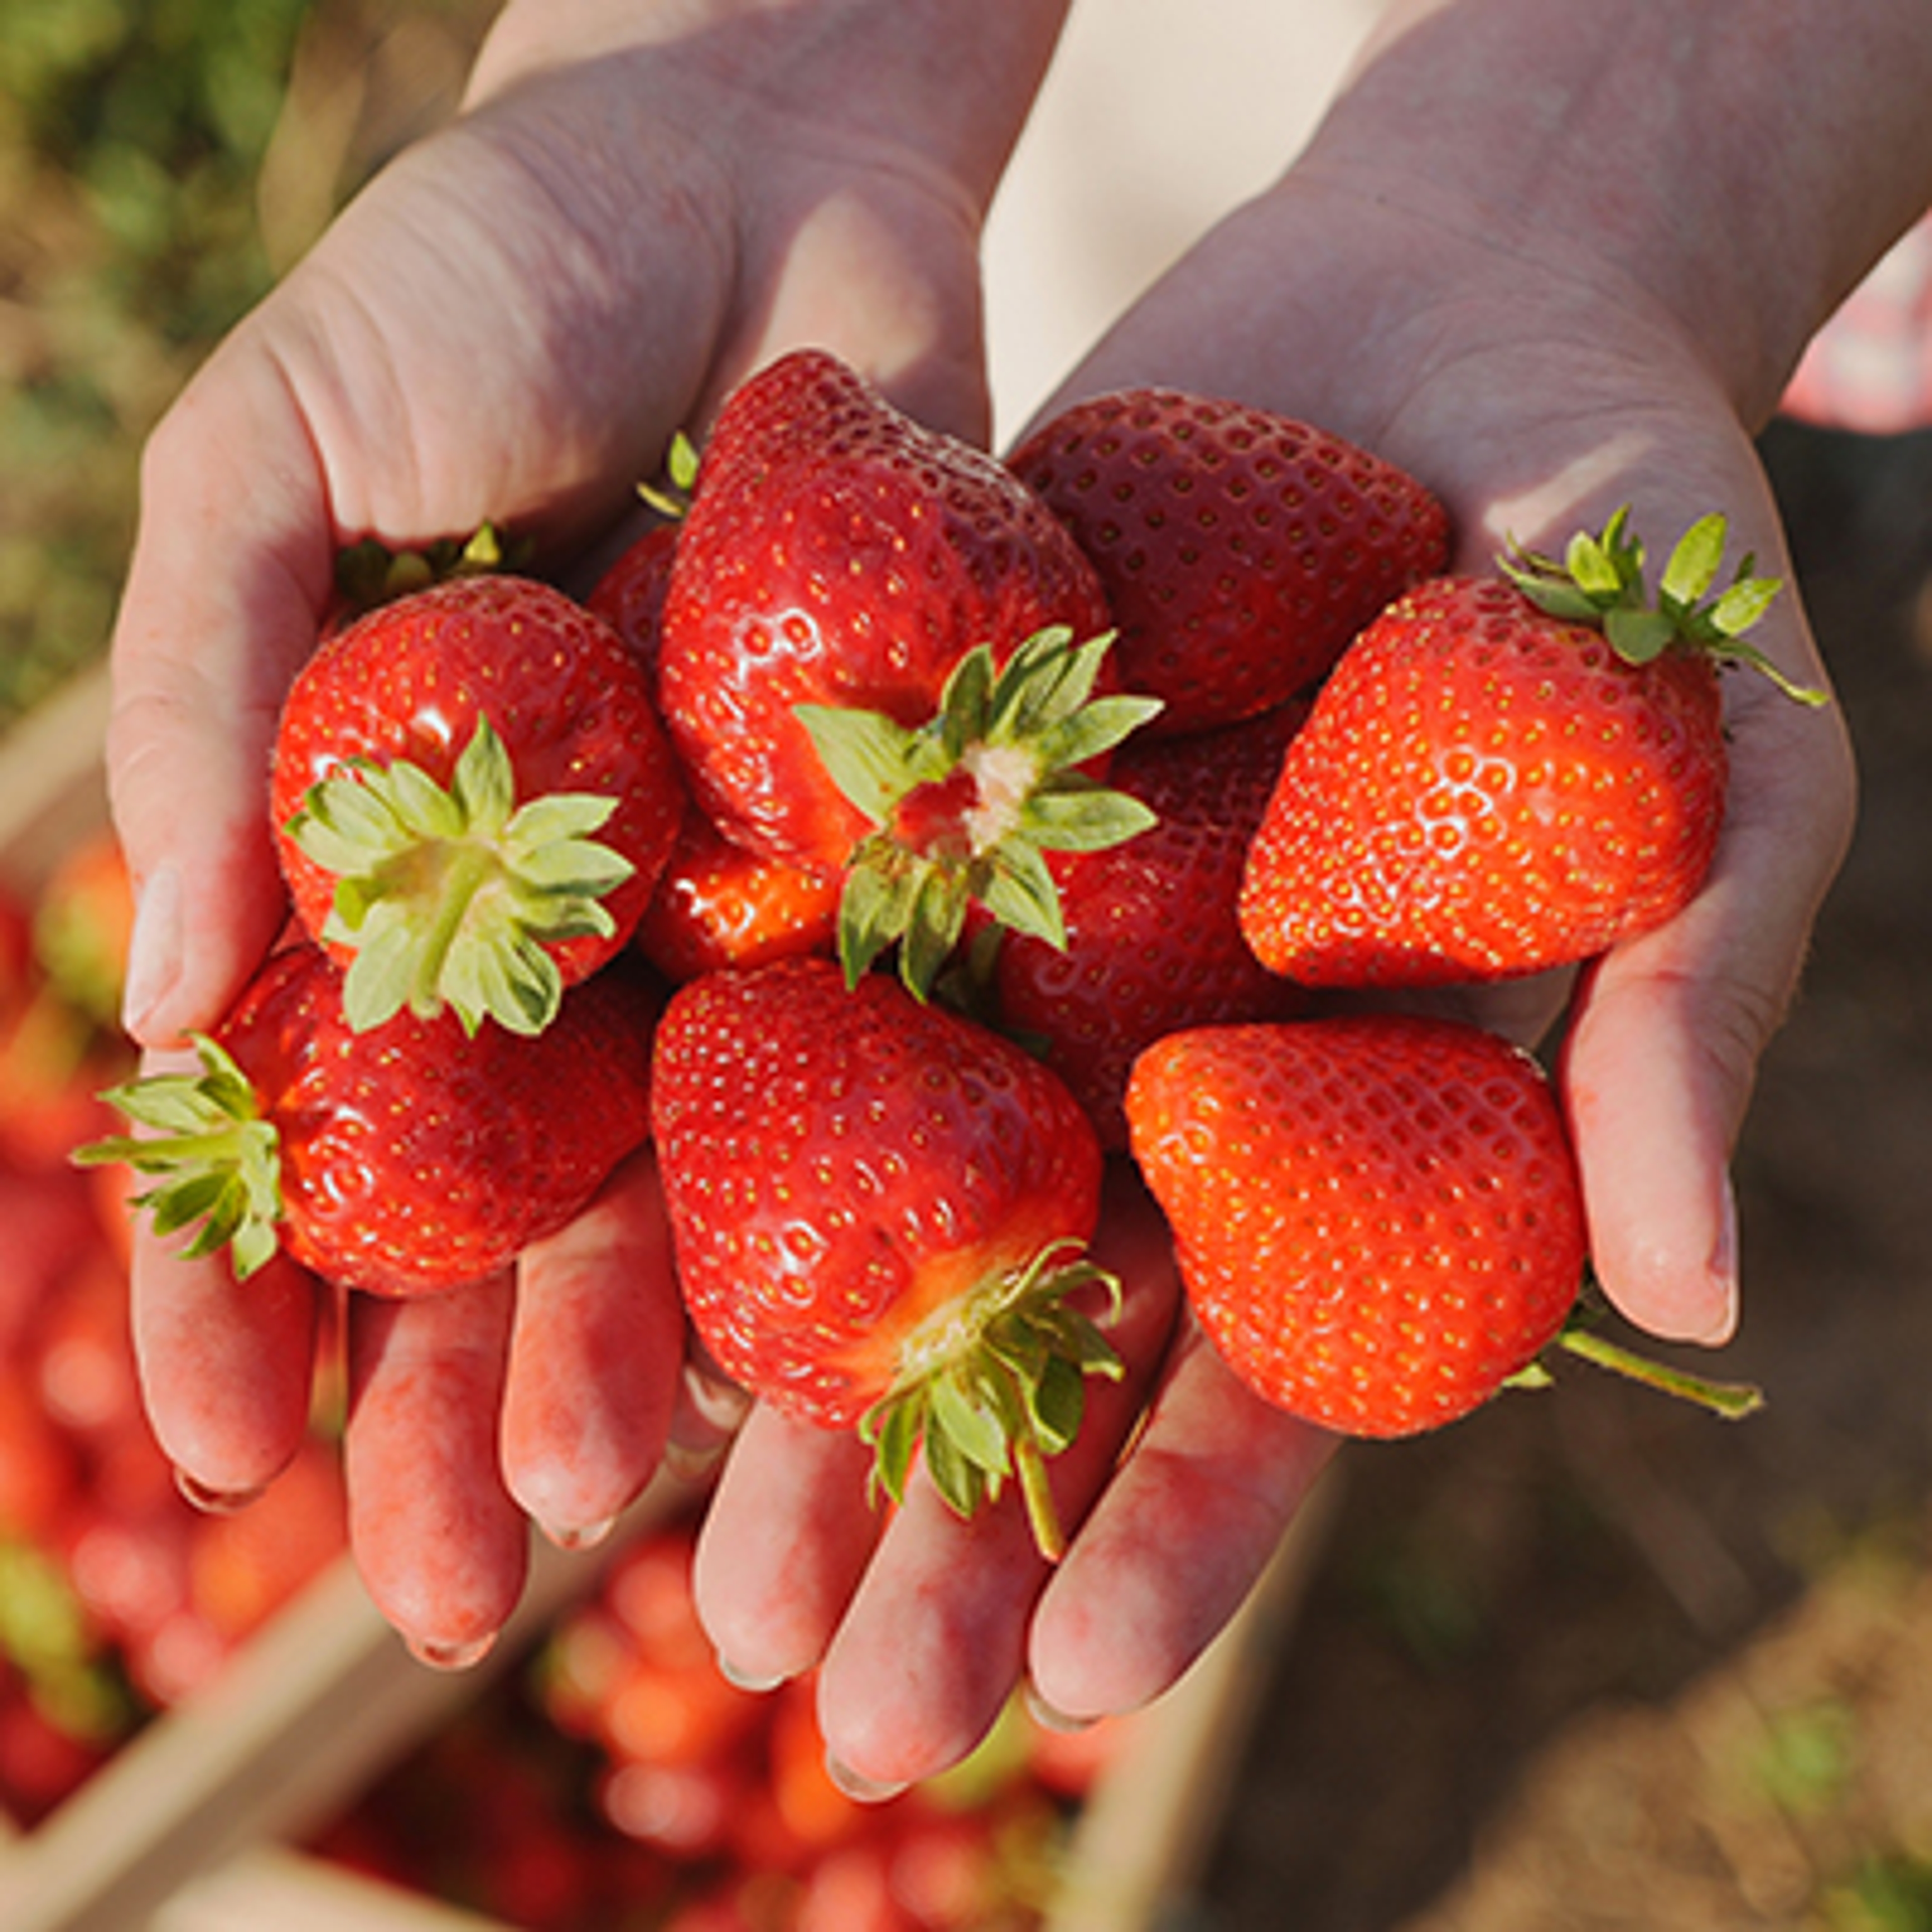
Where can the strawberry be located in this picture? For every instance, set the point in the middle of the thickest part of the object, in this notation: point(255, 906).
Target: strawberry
point(717, 905)
point(1153, 944)
point(1503, 776)
point(879, 1210)
point(442, 766)
point(1240, 551)
point(404, 1160)
point(629, 596)
point(1378, 1219)
point(879, 656)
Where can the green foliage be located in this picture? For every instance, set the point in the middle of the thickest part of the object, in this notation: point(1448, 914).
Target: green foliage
point(133, 134)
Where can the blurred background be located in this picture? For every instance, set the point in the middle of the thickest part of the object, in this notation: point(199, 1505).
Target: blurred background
point(1588, 1661)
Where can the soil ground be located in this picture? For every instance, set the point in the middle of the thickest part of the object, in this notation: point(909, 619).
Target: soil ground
point(1593, 1661)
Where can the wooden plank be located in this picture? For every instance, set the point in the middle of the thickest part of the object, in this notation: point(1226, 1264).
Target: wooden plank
point(318, 1704)
point(270, 1890)
point(1141, 1846)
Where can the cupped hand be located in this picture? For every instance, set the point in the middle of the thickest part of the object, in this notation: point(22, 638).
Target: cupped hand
point(637, 206)
point(1536, 381)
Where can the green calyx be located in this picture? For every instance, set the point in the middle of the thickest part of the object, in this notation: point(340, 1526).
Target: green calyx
point(220, 1161)
point(990, 1392)
point(966, 805)
point(671, 499)
point(450, 896)
point(1599, 580)
point(369, 574)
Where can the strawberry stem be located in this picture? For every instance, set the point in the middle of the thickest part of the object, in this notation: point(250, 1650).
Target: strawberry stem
point(1732, 1401)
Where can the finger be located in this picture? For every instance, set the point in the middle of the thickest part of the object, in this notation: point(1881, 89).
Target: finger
point(442, 1546)
point(786, 1538)
point(596, 1357)
point(1174, 1544)
point(230, 570)
point(227, 1368)
point(1661, 1057)
point(935, 1639)
point(710, 1410)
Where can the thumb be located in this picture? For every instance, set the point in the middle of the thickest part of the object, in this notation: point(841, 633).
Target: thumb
point(229, 578)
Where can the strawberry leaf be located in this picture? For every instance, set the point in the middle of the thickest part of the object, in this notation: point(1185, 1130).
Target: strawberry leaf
point(1693, 565)
point(1020, 893)
point(1601, 582)
point(872, 759)
point(1079, 817)
point(963, 807)
point(999, 1387)
point(445, 896)
point(219, 1161)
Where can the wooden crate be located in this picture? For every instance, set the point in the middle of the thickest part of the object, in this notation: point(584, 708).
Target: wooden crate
point(184, 1830)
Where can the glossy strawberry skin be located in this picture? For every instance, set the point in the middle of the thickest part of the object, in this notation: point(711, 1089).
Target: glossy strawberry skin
point(838, 553)
point(838, 1166)
point(415, 1158)
point(1483, 791)
point(717, 905)
point(569, 699)
point(1153, 942)
point(1378, 1219)
point(1239, 549)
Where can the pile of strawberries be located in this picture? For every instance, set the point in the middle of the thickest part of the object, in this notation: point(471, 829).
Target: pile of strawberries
point(981, 821)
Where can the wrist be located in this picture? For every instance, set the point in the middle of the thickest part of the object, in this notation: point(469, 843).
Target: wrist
point(1733, 170)
point(952, 84)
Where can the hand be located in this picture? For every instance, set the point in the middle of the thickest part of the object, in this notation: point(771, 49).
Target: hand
point(1525, 310)
point(639, 204)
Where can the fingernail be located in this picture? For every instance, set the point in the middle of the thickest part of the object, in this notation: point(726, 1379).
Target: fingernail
point(451, 1656)
point(1723, 1272)
point(748, 1680)
point(582, 1536)
point(1050, 1719)
point(690, 1463)
point(863, 1790)
point(154, 951)
point(212, 1501)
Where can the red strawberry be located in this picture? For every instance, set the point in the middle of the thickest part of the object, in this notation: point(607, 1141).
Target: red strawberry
point(718, 905)
point(1378, 1219)
point(879, 1209)
point(442, 766)
point(630, 596)
point(878, 651)
point(1240, 551)
point(1153, 944)
point(405, 1160)
point(1499, 777)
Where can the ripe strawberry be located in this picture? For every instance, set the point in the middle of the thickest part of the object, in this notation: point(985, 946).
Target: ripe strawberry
point(878, 651)
point(718, 905)
point(442, 766)
point(1240, 551)
point(1378, 1219)
point(630, 596)
point(879, 1210)
point(1501, 777)
point(1153, 944)
point(411, 1159)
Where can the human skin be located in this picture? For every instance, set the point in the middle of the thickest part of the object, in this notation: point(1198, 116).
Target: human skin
point(639, 204)
point(1551, 259)
point(1551, 256)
